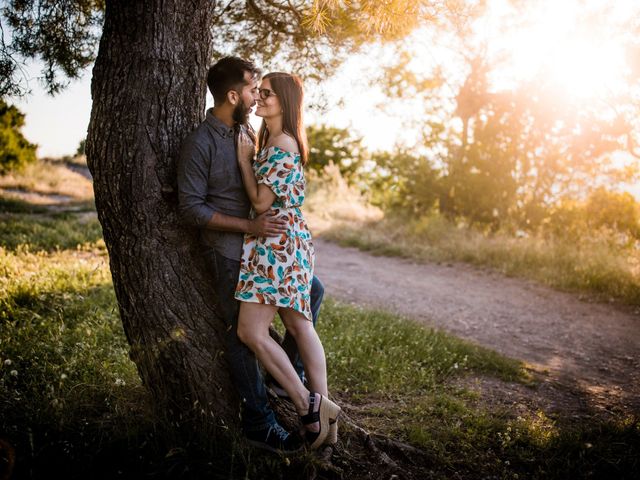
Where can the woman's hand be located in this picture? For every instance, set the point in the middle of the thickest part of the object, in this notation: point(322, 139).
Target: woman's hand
point(246, 148)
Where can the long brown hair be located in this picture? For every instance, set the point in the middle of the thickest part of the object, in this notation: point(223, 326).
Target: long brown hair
point(290, 92)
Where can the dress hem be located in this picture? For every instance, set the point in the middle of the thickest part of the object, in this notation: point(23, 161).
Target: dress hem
point(249, 300)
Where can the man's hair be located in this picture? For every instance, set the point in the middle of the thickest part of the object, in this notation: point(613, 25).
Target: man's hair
point(228, 74)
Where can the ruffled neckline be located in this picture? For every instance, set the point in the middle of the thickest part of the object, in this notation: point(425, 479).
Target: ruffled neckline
point(297, 154)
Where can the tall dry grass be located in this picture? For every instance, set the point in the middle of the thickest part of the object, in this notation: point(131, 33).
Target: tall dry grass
point(602, 263)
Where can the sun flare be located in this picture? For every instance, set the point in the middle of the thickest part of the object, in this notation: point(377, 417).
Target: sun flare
point(580, 50)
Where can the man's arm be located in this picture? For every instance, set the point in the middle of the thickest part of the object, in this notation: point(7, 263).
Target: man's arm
point(264, 225)
point(193, 171)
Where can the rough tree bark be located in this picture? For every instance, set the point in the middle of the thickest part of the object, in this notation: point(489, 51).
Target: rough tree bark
point(148, 92)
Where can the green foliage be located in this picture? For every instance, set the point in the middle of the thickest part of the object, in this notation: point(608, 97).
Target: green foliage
point(81, 150)
point(404, 182)
point(508, 156)
point(616, 215)
point(335, 145)
point(311, 40)
point(15, 150)
point(617, 211)
point(64, 35)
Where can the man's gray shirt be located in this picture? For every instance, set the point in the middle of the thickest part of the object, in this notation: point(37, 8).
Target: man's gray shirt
point(209, 181)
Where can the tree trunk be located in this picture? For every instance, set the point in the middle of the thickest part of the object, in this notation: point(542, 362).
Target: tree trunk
point(148, 91)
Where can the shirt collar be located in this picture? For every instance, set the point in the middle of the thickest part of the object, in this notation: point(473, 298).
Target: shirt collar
point(218, 125)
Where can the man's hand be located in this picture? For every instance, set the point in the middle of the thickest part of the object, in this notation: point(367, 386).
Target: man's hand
point(245, 148)
point(267, 224)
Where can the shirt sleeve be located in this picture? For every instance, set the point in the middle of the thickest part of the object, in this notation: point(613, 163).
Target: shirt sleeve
point(282, 173)
point(193, 178)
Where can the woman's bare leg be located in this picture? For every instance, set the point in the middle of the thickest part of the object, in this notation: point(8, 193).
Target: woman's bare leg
point(310, 348)
point(254, 320)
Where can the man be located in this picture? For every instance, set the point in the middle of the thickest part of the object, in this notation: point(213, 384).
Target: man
point(212, 197)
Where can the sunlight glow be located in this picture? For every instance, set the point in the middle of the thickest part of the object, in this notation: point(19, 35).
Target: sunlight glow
point(576, 45)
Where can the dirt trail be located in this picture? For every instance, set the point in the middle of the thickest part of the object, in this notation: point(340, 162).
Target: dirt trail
point(592, 348)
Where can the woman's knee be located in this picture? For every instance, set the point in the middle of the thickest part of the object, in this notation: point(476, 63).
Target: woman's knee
point(253, 324)
point(297, 326)
point(245, 333)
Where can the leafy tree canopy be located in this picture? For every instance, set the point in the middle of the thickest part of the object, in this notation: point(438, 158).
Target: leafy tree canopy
point(335, 145)
point(310, 37)
point(15, 150)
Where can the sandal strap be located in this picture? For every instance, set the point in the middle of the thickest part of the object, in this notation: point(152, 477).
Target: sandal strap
point(309, 418)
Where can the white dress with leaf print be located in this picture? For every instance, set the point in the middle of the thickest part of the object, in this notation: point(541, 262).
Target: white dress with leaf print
point(279, 270)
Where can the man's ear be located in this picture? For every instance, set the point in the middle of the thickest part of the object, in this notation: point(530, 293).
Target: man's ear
point(233, 97)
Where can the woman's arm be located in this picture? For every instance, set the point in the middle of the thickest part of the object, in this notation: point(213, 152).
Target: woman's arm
point(261, 196)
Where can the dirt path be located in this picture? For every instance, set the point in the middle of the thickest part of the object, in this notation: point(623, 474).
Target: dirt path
point(592, 348)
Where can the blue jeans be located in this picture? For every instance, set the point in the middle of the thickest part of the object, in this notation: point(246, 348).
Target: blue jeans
point(245, 372)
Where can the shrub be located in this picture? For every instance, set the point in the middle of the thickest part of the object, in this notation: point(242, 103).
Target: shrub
point(15, 150)
point(615, 210)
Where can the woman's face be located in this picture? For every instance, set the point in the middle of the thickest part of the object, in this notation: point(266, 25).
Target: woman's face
point(268, 105)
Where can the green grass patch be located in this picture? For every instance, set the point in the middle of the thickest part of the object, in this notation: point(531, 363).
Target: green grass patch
point(50, 232)
point(374, 351)
point(399, 373)
point(469, 442)
point(62, 338)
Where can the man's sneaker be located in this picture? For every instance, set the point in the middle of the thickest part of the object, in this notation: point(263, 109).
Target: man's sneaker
point(275, 439)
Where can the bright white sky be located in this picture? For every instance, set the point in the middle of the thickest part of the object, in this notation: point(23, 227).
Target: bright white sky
point(56, 124)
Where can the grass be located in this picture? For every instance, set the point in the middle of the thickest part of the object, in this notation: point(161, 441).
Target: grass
point(401, 378)
point(60, 231)
point(592, 264)
point(372, 351)
point(71, 400)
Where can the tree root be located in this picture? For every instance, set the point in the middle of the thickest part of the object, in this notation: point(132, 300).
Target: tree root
point(358, 452)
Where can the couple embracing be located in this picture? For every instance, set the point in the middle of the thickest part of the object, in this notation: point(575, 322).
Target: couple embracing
point(244, 192)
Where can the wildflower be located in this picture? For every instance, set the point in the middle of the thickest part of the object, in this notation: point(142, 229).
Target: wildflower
point(13, 373)
point(8, 362)
point(63, 376)
point(119, 382)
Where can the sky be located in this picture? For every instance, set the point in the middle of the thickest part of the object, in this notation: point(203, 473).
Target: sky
point(57, 124)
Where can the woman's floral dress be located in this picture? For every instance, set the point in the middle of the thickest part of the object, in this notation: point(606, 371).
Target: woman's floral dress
point(279, 270)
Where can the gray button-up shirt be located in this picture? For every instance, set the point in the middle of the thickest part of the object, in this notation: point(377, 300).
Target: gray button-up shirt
point(209, 181)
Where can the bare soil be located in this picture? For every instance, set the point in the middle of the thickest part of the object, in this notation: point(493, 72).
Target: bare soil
point(586, 354)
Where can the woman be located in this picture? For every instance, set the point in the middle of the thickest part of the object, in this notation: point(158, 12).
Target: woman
point(276, 272)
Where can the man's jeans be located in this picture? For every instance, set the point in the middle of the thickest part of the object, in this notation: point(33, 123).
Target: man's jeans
point(245, 373)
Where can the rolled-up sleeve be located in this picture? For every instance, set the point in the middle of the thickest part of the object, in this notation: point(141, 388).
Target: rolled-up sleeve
point(193, 173)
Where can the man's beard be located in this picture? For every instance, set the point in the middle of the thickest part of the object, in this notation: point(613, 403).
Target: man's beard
point(241, 114)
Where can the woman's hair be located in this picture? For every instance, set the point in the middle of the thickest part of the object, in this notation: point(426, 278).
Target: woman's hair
point(289, 90)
